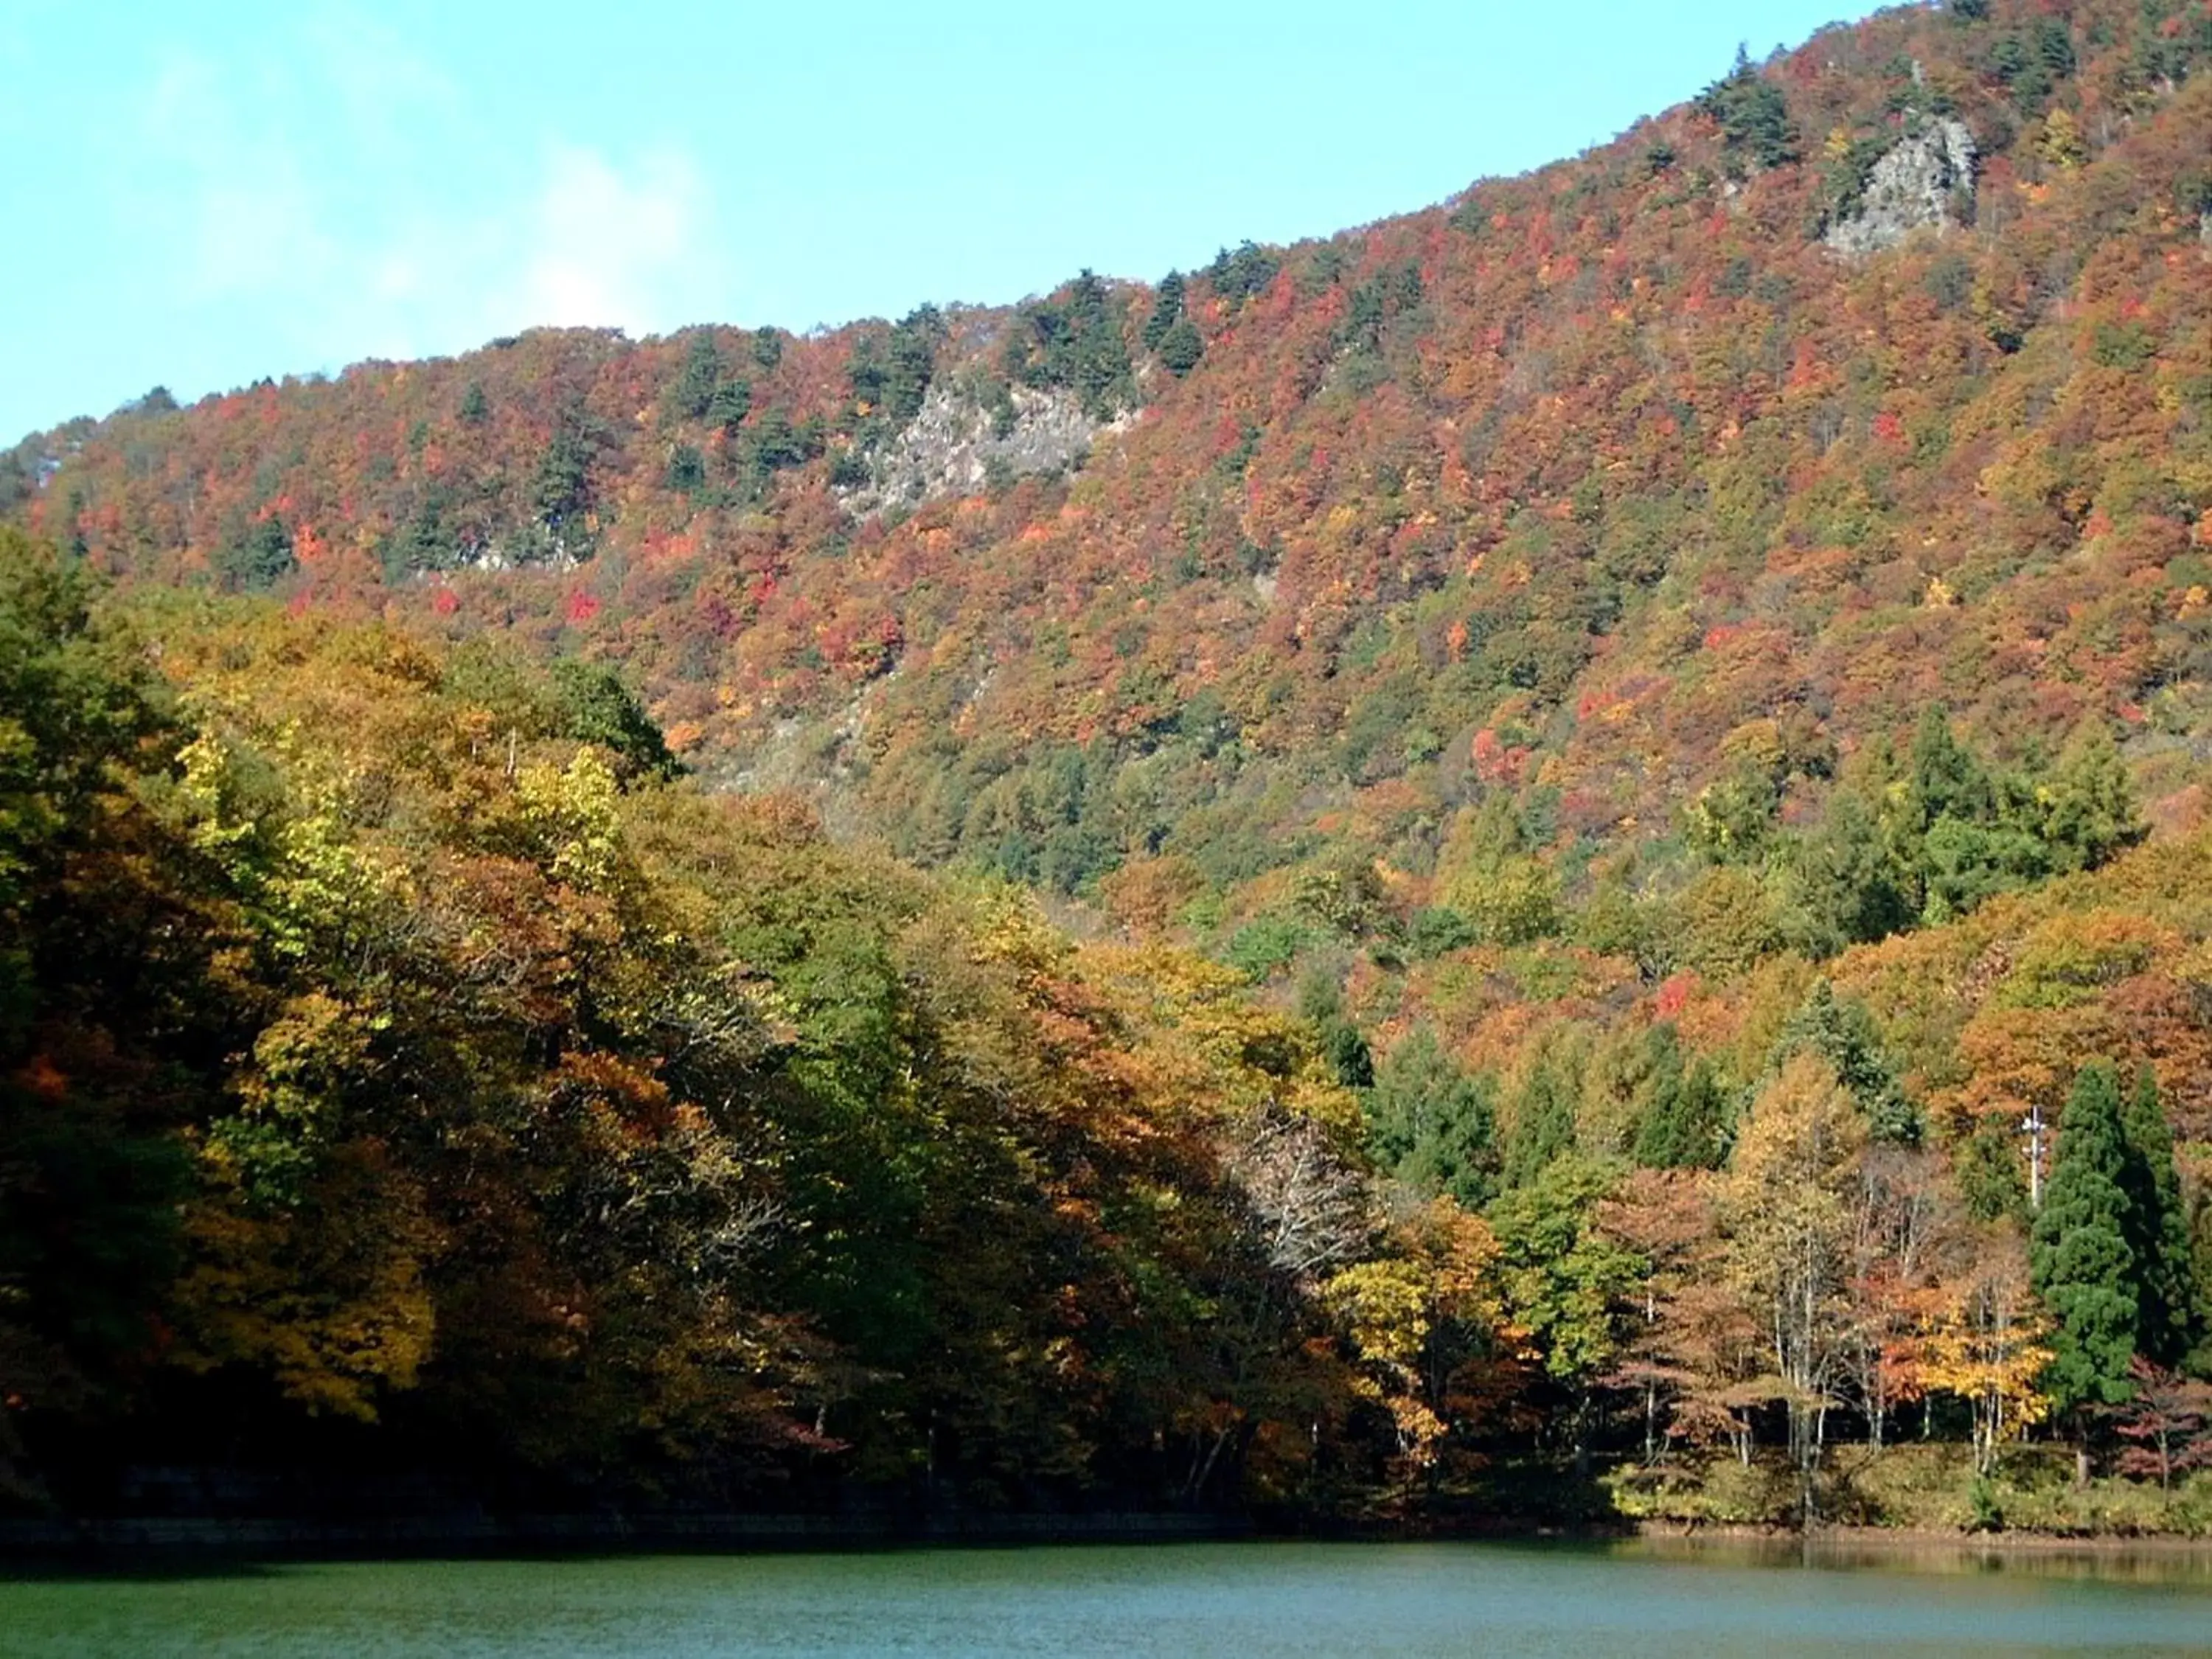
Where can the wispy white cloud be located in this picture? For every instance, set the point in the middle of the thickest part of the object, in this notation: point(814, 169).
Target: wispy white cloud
point(237, 209)
point(340, 186)
point(384, 88)
point(606, 244)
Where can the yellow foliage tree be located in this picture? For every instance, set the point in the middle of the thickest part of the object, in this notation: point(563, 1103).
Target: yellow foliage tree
point(1786, 1209)
point(329, 1297)
point(2060, 143)
point(1984, 1343)
point(1428, 1332)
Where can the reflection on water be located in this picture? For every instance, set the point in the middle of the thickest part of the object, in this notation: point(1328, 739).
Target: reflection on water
point(2140, 1561)
point(1660, 1599)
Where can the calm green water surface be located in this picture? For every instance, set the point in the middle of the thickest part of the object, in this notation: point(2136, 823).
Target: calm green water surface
point(1193, 1602)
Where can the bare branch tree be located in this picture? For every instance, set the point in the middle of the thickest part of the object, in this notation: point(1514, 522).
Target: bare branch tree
point(1311, 1205)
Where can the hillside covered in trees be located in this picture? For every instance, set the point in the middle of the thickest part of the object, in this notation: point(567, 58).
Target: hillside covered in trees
point(1563, 834)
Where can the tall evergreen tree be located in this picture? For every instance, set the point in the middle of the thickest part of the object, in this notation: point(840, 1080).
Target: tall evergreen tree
point(1543, 1123)
point(732, 402)
point(2079, 1257)
point(2198, 1362)
point(2157, 1227)
point(1753, 113)
point(1181, 347)
point(1945, 777)
point(1977, 834)
point(1167, 310)
point(1847, 878)
point(1348, 1054)
point(2088, 807)
point(259, 557)
point(1686, 1125)
point(910, 361)
point(563, 489)
point(1432, 1125)
point(694, 388)
point(1842, 1032)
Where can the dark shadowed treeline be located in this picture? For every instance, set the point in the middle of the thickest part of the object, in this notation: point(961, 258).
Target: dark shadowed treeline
point(401, 1063)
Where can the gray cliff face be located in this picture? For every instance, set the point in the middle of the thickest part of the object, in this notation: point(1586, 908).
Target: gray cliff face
point(955, 446)
point(1926, 178)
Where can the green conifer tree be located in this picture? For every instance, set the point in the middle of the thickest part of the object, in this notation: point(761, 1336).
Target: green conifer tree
point(2088, 807)
point(2157, 1227)
point(2054, 47)
point(687, 470)
point(1431, 1125)
point(2079, 1257)
point(2198, 1361)
point(694, 383)
point(1848, 884)
point(1543, 1123)
point(1686, 1125)
point(257, 558)
point(910, 361)
point(1842, 1032)
point(1167, 310)
point(1945, 778)
point(732, 402)
point(1753, 113)
point(563, 487)
point(1181, 347)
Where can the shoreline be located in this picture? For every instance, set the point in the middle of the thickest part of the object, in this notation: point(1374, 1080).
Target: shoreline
point(99, 1539)
point(2010, 1542)
point(97, 1542)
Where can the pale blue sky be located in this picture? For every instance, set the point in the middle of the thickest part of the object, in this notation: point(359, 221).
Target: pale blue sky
point(198, 195)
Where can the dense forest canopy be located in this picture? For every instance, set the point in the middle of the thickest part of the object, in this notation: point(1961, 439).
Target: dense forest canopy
point(1570, 827)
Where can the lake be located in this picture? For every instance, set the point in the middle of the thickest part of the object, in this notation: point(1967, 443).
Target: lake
point(1193, 1602)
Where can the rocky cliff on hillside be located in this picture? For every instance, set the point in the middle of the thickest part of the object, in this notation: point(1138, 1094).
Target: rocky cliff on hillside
point(962, 442)
point(1546, 491)
point(1926, 178)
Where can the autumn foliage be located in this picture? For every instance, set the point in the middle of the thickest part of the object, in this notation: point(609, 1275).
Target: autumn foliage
point(1614, 766)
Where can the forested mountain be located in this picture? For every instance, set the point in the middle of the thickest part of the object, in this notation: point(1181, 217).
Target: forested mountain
point(1606, 744)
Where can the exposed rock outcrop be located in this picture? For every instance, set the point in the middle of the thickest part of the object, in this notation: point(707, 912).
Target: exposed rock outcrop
point(1927, 178)
point(957, 443)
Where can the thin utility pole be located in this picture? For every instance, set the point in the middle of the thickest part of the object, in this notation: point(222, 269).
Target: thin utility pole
point(2032, 1125)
